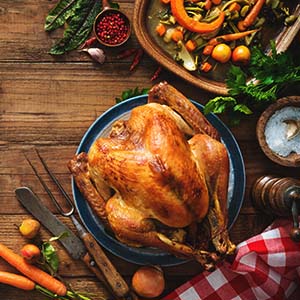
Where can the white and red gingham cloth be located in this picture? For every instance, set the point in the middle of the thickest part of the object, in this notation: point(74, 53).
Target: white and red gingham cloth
point(265, 267)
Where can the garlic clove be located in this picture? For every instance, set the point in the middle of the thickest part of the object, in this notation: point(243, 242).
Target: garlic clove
point(293, 128)
point(96, 54)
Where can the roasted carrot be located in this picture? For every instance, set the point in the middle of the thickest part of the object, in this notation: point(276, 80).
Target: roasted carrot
point(18, 281)
point(177, 35)
point(160, 29)
point(207, 50)
point(32, 272)
point(229, 37)
point(190, 45)
point(207, 4)
point(216, 2)
point(251, 16)
point(234, 7)
point(206, 67)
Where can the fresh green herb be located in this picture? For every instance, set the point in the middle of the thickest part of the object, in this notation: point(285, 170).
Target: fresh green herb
point(131, 93)
point(61, 236)
point(50, 257)
point(270, 75)
point(220, 104)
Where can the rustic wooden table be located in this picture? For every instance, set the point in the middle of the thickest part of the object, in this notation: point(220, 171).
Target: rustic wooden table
point(49, 102)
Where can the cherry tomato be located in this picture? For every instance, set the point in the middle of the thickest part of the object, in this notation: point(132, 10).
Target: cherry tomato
point(241, 54)
point(221, 53)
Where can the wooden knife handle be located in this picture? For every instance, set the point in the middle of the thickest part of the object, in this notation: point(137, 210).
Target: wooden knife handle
point(90, 263)
point(115, 281)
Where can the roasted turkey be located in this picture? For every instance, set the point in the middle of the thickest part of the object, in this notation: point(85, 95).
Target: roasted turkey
point(161, 179)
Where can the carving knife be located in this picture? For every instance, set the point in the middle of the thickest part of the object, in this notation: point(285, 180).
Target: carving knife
point(89, 252)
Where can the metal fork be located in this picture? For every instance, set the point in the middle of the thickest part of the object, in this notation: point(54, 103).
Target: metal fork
point(69, 213)
point(109, 273)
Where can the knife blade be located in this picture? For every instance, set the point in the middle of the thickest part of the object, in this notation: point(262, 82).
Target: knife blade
point(88, 251)
point(71, 242)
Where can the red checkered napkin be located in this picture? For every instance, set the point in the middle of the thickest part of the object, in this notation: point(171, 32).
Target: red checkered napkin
point(266, 266)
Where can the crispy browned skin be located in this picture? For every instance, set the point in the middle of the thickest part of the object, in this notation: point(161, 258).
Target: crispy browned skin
point(150, 172)
point(164, 93)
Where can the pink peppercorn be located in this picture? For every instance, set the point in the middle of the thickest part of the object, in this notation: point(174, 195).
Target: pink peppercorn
point(112, 28)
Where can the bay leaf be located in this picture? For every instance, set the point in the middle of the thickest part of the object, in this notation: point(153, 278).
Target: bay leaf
point(80, 25)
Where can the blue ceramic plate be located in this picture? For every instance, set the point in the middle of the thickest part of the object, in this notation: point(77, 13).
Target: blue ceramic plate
point(142, 256)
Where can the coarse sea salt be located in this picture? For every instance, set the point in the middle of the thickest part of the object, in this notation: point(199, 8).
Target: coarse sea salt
point(276, 131)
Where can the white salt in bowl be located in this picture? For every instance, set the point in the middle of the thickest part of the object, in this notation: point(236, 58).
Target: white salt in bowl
point(271, 131)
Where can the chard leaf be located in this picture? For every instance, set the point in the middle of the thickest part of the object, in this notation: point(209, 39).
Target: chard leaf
point(60, 14)
point(79, 26)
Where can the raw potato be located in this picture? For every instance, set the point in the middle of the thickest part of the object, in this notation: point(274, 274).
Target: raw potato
point(30, 228)
point(148, 281)
point(31, 253)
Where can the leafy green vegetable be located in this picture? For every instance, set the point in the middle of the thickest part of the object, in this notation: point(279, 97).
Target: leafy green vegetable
point(79, 26)
point(61, 236)
point(50, 257)
point(270, 75)
point(131, 93)
point(60, 14)
point(79, 16)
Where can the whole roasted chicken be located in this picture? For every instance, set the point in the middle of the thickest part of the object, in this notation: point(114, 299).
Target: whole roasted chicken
point(160, 179)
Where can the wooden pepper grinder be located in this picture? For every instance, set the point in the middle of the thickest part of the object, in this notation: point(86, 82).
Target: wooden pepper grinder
point(279, 196)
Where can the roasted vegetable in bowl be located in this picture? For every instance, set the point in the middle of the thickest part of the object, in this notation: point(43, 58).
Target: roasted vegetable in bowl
point(204, 24)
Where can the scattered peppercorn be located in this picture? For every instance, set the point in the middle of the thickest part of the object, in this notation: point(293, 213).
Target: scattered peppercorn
point(112, 28)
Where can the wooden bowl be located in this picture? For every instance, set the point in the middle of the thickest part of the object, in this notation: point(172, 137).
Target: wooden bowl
point(292, 160)
point(150, 46)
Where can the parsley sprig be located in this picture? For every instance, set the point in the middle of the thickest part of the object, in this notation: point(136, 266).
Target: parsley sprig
point(270, 75)
point(129, 93)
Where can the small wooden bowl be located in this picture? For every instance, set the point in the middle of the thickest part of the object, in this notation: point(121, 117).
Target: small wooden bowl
point(292, 160)
point(107, 10)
